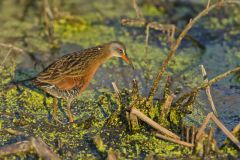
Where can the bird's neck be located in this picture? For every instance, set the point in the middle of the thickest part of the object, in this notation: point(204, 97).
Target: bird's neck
point(104, 55)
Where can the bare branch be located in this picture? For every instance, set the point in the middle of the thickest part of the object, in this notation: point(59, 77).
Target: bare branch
point(146, 40)
point(220, 125)
point(19, 147)
point(11, 46)
point(41, 148)
point(152, 123)
point(209, 83)
point(178, 42)
point(167, 104)
point(116, 89)
point(204, 125)
point(137, 10)
point(174, 140)
point(208, 90)
point(14, 132)
point(5, 58)
point(226, 131)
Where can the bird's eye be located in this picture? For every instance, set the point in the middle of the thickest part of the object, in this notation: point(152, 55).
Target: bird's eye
point(120, 51)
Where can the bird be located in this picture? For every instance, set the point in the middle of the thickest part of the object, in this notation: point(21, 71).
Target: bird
point(68, 76)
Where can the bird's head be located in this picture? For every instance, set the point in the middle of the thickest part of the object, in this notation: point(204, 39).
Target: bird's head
point(117, 49)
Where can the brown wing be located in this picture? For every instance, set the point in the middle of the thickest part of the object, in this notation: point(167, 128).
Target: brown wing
point(68, 83)
point(64, 71)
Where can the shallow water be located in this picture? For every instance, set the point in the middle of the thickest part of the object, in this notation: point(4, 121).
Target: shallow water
point(94, 24)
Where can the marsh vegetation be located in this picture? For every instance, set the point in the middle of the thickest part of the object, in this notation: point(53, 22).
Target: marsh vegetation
point(153, 112)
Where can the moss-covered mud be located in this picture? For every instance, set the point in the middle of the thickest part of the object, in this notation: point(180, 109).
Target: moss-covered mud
point(100, 124)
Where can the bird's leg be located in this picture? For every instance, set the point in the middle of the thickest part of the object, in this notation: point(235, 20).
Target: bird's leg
point(55, 108)
point(69, 113)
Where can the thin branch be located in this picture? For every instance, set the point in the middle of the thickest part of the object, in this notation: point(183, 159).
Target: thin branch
point(174, 140)
point(5, 58)
point(14, 132)
point(220, 125)
point(19, 147)
point(187, 134)
point(116, 90)
point(193, 134)
point(133, 22)
point(11, 46)
point(146, 41)
point(204, 125)
point(209, 83)
point(208, 90)
point(48, 10)
point(41, 148)
point(226, 131)
point(111, 155)
point(208, 4)
point(152, 123)
point(167, 104)
point(178, 42)
point(137, 10)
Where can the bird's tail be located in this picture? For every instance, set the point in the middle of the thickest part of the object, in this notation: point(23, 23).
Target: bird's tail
point(14, 84)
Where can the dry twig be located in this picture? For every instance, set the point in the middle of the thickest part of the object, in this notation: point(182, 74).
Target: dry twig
point(178, 42)
point(41, 148)
point(14, 132)
point(5, 58)
point(152, 123)
point(174, 140)
point(11, 46)
point(206, 84)
point(137, 10)
point(167, 104)
point(203, 126)
point(208, 90)
point(116, 89)
point(220, 125)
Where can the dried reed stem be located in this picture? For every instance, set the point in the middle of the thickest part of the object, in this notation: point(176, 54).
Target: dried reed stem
point(174, 140)
point(208, 90)
point(204, 124)
point(167, 104)
point(14, 132)
point(152, 123)
point(209, 83)
point(226, 131)
point(146, 40)
point(193, 134)
point(19, 147)
point(41, 148)
point(116, 90)
point(187, 134)
point(5, 58)
point(174, 48)
point(220, 125)
point(137, 10)
point(11, 46)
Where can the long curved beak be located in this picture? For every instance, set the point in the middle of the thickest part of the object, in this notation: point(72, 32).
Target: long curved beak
point(127, 60)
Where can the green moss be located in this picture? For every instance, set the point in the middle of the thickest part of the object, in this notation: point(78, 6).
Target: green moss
point(95, 23)
point(68, 26)
point(151, 10)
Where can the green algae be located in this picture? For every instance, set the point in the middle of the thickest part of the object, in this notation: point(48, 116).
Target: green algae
point(39, 125)
point(68, 26)
point(30, 111)
point(151, 10)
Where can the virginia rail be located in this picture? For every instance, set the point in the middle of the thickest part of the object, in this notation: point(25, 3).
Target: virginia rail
point(68, 76)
